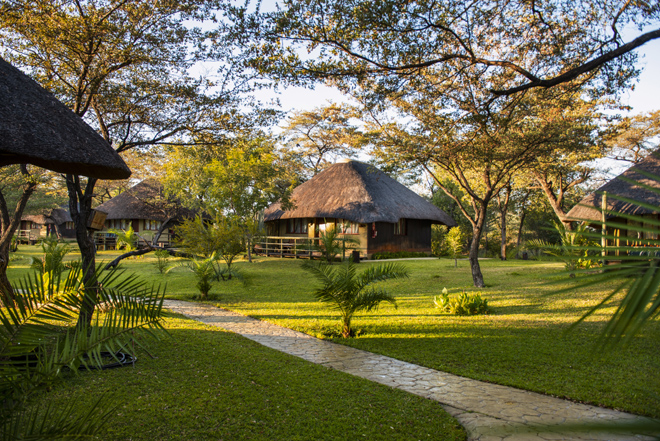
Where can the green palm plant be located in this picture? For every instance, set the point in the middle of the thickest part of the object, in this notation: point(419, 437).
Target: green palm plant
point(205, 272)
point(577, 248)
point(39, 340)
point(348, 292)
point(331, 244)
point(53, 258)
point(125, 238)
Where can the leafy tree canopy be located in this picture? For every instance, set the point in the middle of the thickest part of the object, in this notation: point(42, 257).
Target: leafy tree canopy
point(511, 45)
point(317, 138)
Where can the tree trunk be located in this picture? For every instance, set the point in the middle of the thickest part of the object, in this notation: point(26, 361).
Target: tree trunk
point(249, 248)
point(80, 207)
point(8, 226)
point(520, 229)
point(504, 209)
point(346, 328)
point(477, 229)
point(556, 202)
point(154, 241)
point(6, 290)
point(503, 239)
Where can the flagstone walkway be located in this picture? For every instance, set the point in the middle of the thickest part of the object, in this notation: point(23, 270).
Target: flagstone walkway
point(489, 412)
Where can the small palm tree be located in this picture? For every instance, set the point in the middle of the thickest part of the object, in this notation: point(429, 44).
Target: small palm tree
point(205, 272)
point(125, 238)
point(348, 292)
point(39, 339)
point(53, 259)
point(331, 244)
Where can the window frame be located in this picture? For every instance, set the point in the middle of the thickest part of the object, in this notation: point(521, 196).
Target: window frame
point(298, 224)
point(401, 227)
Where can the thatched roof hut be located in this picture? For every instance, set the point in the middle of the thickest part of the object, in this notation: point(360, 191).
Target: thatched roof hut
point(38, 129)
point(357, 192)
point(143, 201)
point(59, 216)
point(589, 207)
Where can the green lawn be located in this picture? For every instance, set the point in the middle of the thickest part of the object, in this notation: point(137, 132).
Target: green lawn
point(208, 384)
point(524, 343)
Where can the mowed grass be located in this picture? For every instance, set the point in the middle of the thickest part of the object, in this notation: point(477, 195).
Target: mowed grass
point(208, 384)
point(525, 342)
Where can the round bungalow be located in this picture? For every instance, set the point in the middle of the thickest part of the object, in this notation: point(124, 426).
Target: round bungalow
point(363, 203)
point(635, 192)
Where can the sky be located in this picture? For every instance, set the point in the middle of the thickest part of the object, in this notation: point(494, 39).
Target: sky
point(645, 96)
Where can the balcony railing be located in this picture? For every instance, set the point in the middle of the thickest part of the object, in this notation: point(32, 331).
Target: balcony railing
point(296, 247)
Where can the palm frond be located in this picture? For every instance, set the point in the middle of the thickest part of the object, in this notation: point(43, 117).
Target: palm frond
point(632, 267)
point(369, 300)
point(381, 273)
point(50, 423)
point(345, 291)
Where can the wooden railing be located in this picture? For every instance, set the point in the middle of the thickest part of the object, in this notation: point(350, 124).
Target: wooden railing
point(297, 247)
point(28, 236)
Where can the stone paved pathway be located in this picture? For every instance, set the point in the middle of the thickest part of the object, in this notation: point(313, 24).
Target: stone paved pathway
point(489, 412)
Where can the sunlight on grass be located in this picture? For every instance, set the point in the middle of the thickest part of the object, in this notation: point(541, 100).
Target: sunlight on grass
point(524, 342)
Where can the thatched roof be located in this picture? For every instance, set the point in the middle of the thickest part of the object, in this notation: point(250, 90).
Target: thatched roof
point(36, 218)
point(357, 192)
point(59, 216)
point(589, 206)
point(143, 201)
point(38, 129)
point(56, 216)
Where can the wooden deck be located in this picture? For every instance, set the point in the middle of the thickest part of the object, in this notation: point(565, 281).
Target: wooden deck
point(294, 247)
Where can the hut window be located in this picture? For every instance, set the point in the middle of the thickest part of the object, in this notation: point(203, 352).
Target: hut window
point(296, 226)
point(150, 224)
point(348, 227)
point(400, 227)
point(69, 226)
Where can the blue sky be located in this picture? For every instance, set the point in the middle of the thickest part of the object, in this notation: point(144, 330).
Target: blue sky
point(645, 96)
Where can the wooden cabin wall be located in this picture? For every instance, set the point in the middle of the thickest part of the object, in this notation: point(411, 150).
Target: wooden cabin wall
point(417, 238)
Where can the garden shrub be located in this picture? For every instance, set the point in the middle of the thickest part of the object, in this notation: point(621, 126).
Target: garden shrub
point(463, 304)
point(162, 260)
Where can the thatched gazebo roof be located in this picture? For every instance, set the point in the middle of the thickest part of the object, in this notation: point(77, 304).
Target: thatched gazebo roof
point(59, 216)
point(36, 218)
point(143, 201)
point(56, 216)
point(589, 207)
point(38, 129)
point(357, 192)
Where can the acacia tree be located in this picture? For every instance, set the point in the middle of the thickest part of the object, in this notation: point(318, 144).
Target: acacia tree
point(635, 137)
point(537, 44)
point(233, 177)
point(318, 137)
point(480, 150)
point(122, 66)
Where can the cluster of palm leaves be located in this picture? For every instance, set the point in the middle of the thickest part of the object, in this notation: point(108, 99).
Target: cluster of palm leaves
point(207, 271)
point(52, 261)
point(349, 292)
point(631, 270)
point(331, 244)
point(577, 249)
point(40, 343)
point(126, 239)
